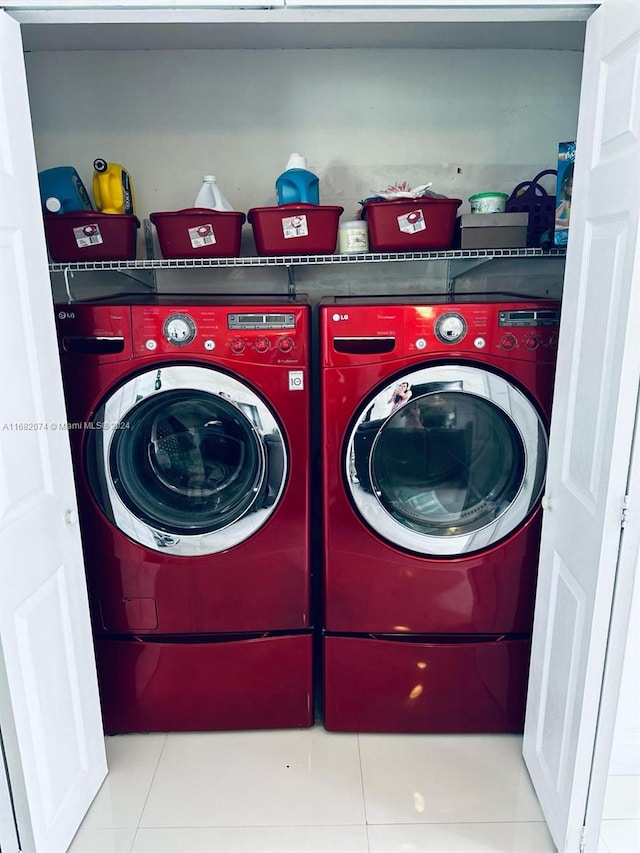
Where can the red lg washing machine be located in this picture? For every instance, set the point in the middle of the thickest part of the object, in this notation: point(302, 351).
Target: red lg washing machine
point(190, 436)
point(434, 419)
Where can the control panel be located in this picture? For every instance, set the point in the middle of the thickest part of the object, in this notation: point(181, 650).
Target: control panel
point(522, 330)
point(528, 329)
point(276, 337)
point(514, 330)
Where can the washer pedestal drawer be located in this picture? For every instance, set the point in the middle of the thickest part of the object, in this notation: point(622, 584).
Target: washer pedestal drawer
point(446, 684)
point(176, 684)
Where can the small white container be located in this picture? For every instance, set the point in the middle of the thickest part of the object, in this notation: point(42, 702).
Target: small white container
point(488, 202)
point(353, 237)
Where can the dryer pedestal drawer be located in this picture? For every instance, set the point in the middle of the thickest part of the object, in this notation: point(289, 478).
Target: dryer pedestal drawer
point(180, 685)
point(427, 685)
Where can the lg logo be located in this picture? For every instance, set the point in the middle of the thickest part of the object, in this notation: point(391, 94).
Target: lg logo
point(338, 317)
point(66, 315)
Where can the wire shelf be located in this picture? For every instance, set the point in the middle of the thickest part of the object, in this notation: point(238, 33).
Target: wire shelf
point(308, 260)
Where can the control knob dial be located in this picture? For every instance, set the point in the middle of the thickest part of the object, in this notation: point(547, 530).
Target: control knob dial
point(179, 329)
point(450, 328)
point(285, 344)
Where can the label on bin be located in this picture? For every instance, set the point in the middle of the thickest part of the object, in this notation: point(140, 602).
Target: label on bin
point(88, 235)
point(295, 226)
point(412, 222)
point(202, 235)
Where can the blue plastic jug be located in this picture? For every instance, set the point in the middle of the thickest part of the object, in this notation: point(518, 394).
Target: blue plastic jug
point(297, 185)
point(62, 190)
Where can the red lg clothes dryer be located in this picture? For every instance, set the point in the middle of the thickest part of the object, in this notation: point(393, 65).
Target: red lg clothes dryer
point(434, 420)
point(190, 439)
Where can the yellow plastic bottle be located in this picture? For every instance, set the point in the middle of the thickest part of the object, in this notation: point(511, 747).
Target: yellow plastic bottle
point(112, 188)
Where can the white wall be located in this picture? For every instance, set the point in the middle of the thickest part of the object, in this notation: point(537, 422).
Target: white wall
point(363, 118)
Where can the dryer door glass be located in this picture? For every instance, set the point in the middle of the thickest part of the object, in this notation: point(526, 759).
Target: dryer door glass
point(187, 459)
point(188, 462)
point(447, 460)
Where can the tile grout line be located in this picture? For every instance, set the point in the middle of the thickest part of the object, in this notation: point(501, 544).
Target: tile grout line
point(459, 823)
point(364, 799)
point(602, 846)
point(629, 817)
point(146, 799)
point(255, 826)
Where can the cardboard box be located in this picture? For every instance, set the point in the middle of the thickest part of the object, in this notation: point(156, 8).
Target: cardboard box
point(493, 230)
point(564, 190)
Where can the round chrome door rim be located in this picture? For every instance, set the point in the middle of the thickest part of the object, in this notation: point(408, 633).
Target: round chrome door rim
point(114, 410)
point(523, 417)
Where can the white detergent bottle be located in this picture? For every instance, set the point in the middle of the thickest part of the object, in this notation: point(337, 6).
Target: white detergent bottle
point(211, 196)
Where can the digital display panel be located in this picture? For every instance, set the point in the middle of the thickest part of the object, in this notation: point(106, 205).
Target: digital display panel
point(259, 320)
point(525, 317)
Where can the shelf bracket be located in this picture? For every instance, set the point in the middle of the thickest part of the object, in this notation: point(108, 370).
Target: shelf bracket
point(459, 266)
point(144, 277)
point(68, 274)
point(291, 279)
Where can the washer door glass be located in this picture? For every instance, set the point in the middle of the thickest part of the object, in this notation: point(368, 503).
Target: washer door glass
point(446, 460)
point(186, 459)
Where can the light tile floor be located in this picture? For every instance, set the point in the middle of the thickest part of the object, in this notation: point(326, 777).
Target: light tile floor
point(308, 791)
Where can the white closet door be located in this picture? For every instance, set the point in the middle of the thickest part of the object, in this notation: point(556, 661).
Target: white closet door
point(45, 634)
point(591, 434)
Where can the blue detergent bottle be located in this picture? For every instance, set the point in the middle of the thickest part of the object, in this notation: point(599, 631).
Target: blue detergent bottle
point(296, 185)
point(62, 190)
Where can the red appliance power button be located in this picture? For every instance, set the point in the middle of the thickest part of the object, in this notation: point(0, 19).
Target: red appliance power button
point(261, 345)
point(285, 344)
point(237, 345)
point(508, 342)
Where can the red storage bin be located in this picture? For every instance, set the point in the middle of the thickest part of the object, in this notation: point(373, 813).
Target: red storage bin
point(411, 225)
point(295, 229)
point(88, 235)
point(199, 233)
